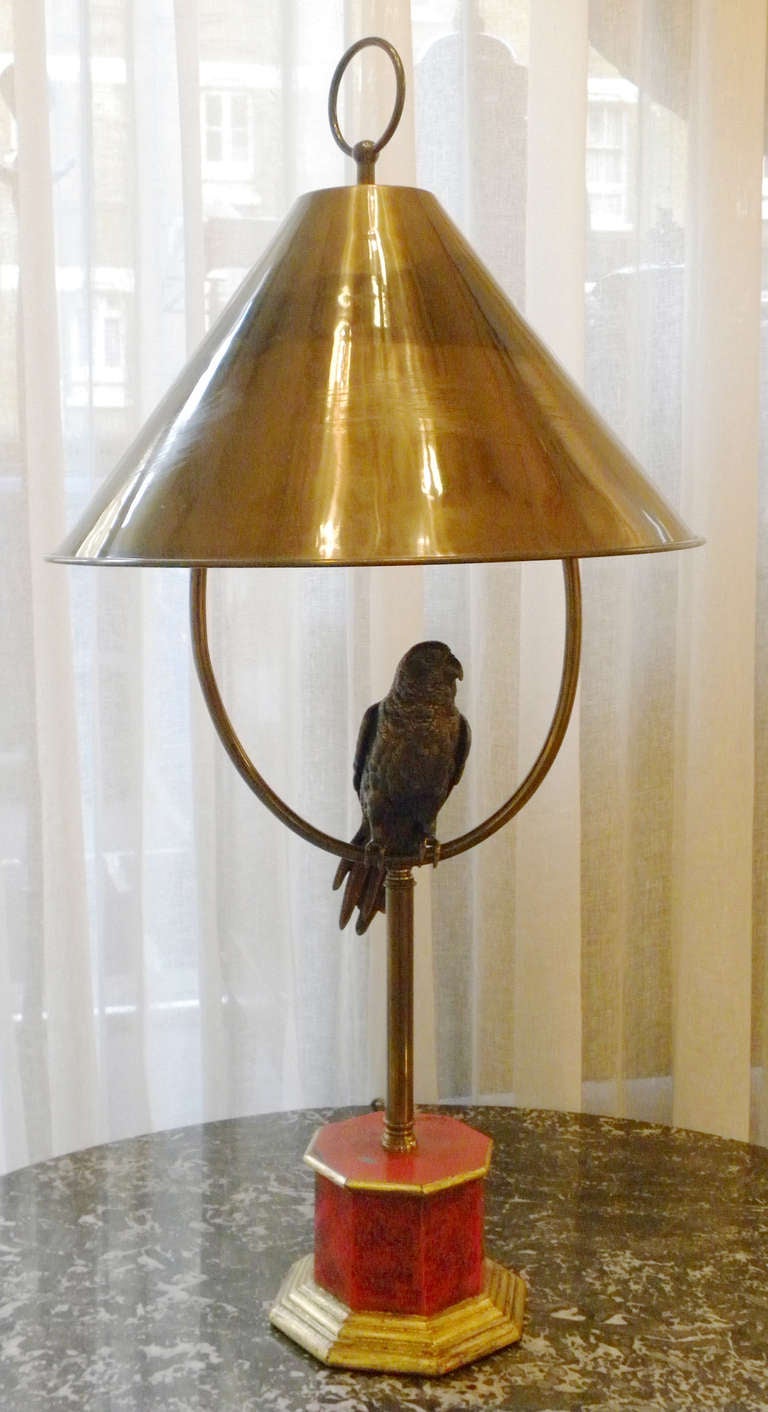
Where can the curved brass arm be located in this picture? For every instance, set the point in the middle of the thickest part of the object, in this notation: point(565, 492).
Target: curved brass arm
point(245, 767)
point(559, 725)
point(228, 737)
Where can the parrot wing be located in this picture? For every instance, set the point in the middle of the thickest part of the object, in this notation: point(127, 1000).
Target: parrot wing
point(365, 739)
point(462, 750)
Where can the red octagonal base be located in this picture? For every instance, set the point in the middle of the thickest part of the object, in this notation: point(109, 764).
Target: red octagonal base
point(398, 1281)
point(399, 1232)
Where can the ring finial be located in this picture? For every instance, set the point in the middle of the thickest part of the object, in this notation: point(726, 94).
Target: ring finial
point(366, 152)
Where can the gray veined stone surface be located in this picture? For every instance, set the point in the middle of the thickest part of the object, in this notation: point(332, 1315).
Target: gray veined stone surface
point(137, 1277)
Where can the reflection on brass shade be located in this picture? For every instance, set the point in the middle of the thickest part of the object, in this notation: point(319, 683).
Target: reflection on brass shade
point(370, 396)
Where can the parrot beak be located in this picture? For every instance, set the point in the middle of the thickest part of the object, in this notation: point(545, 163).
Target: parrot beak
point(457, 669)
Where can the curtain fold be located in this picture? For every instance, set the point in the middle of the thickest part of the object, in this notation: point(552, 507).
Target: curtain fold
point(57, 1040)
point(716, 746)
point(168, 953)
point(547, 1027)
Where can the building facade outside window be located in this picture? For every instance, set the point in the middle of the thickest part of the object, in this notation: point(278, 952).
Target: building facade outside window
point(228, 146)
point(611, 119)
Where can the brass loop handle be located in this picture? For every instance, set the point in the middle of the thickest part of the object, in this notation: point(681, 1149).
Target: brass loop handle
point(340, 847)
point(366, 152)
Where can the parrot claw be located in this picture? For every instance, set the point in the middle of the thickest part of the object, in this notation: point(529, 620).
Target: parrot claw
point(429, 851)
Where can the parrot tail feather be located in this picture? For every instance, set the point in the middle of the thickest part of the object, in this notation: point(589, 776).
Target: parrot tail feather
point(352, 892)
point(346, 866)
point(372, 899)
point(341, 872)
point(364, 883)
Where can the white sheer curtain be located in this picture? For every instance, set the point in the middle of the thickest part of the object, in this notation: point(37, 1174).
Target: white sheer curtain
point(168, 954)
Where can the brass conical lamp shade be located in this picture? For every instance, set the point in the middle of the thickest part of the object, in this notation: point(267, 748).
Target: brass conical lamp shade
point(370, 396)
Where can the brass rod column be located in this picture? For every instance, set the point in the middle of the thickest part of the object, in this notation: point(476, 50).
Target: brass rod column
point(399, 1116)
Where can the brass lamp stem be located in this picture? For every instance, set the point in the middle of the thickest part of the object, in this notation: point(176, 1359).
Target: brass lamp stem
point(399, 1115)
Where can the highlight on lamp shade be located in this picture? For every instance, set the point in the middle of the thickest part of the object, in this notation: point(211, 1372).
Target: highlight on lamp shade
point(370, 396)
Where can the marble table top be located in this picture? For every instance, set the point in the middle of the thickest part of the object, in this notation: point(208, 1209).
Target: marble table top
point(138, 1276)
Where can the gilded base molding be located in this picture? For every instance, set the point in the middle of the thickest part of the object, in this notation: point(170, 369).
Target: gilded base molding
point(400, 1343)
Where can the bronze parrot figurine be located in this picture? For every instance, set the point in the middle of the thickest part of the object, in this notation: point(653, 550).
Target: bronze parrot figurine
point(411, 750)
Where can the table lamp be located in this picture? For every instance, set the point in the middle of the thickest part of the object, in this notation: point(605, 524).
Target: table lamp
point(370, 397)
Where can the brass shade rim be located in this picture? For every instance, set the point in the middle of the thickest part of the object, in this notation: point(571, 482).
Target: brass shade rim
point(424, 561)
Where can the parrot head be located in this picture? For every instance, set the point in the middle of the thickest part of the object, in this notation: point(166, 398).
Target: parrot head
point(428, 669)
